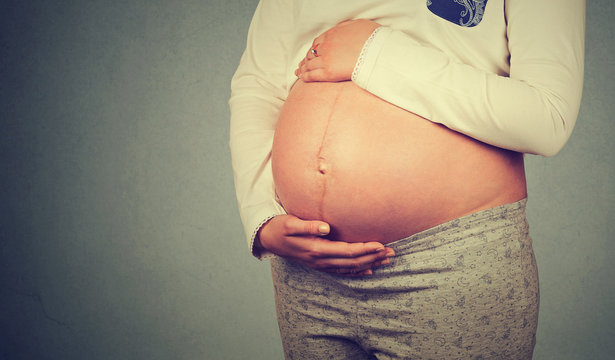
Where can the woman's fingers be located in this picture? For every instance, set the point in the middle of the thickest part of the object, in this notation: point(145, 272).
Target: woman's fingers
point(311, 65)
point(314, 70)
point(304, 242)
point(323, 248)
point(353, 266)
point(297, 227)
point(316, 75)
point(299, 230)
point(308, 65)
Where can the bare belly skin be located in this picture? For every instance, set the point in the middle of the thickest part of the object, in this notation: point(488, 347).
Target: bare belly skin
point(376, 172)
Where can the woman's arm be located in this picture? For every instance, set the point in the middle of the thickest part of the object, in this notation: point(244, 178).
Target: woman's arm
point(532, 110)
point(257, 95)
point(258, 91)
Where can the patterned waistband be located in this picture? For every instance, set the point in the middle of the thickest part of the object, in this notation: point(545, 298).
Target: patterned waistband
point(493, 219)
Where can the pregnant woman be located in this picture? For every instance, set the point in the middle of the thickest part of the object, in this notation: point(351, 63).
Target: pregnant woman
point(383, 176)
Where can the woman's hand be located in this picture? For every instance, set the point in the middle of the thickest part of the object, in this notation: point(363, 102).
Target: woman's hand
point(336, 52)
point(303, 242)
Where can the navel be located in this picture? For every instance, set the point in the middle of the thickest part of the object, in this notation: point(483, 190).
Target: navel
point(323, 167)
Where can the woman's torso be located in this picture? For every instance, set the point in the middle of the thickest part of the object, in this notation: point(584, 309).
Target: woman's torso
point(376, 172)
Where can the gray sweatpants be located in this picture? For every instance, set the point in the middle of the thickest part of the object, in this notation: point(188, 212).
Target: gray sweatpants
point(465, 289)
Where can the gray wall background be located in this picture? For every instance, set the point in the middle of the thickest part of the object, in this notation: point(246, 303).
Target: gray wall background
point(120, 236)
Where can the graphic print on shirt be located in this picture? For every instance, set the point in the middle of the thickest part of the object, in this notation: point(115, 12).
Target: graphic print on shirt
point(466, 13)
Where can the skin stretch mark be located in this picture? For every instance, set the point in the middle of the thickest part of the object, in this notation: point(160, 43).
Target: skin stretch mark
point(323, 166)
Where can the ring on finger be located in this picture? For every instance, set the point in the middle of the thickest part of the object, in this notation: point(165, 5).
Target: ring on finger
point(314, 51)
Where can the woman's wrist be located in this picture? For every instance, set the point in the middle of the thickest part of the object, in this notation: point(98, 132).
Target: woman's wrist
point(257, 245)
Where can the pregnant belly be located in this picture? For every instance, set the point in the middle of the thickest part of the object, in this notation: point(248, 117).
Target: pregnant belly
point(376, 172)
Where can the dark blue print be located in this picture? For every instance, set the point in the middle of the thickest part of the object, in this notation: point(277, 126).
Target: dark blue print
point(466, 13)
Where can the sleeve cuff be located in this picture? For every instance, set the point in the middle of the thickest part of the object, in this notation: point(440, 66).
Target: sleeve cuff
point(257, 218)
point(264, 254)
point(369, 56)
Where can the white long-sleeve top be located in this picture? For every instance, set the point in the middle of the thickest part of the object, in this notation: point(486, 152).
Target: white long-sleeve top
point(505, 72)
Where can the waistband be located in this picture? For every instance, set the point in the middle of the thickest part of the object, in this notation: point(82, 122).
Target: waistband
point(498, 218)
